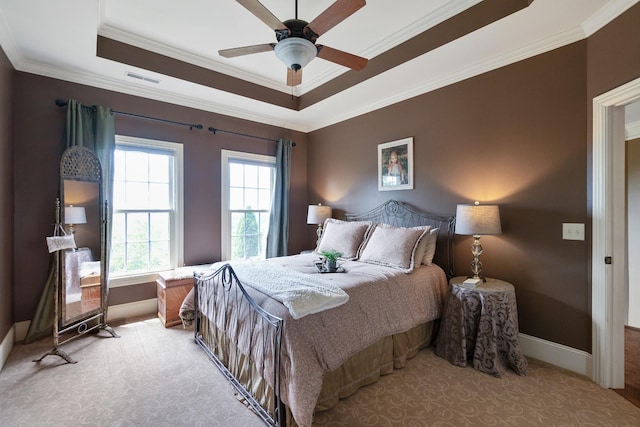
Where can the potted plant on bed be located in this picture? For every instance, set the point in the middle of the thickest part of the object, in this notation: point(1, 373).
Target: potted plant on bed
point(330, 260)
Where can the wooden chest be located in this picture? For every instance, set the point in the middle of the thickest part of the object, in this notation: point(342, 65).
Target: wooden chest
point(171, 292)
point(90, 292)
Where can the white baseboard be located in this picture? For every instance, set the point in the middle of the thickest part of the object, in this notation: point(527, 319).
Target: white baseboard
point(556, 354)
point(7, 346)
point(21, 330)
point(559, 355)
point(115, 313)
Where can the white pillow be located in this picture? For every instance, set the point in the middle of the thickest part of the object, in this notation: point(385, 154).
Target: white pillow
point(430, 248)
point(393, 246)
point(346, 237)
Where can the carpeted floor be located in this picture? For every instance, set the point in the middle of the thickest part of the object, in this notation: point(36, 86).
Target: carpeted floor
point(153, 376)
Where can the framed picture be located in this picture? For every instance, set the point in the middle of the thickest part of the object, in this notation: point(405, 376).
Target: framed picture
point(395, 165)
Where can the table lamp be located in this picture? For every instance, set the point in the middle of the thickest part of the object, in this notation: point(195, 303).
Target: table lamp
point(74, 215)
point(317, 214)
point(476, 220)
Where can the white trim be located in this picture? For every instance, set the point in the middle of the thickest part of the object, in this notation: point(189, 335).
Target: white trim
point(7, 345)
point(569, 358)
point(613, 9)
point(225, 218)
point(606, 14)
point(21, 330)
point(132, 309)
point(632, 130)
point(441, 14)
point(177, 236)
point(609, 281)
point(115, 312)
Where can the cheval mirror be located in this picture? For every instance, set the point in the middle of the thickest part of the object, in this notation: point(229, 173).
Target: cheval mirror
point(82, 289)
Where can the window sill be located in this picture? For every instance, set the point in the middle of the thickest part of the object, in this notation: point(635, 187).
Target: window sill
point(137, 279)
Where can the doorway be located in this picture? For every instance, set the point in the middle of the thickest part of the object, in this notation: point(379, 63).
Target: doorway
point(609, 256)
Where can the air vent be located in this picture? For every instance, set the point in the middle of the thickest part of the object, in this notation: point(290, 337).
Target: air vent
point(141, 77)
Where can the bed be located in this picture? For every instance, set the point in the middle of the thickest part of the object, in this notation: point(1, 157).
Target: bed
point(290, 356)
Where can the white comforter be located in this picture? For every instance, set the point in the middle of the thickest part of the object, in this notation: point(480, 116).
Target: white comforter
point(301, 293)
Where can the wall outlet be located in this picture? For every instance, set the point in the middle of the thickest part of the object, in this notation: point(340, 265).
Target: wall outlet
point(573, 231)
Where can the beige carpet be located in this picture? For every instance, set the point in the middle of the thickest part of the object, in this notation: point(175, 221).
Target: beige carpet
point(154, 376)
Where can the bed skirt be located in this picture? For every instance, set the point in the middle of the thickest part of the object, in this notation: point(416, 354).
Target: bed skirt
point(363, 368)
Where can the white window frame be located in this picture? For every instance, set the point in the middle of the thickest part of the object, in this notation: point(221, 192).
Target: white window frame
point(177, 221)
point(225, 219)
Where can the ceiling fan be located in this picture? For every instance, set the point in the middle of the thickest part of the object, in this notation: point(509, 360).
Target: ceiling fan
point(296, 45)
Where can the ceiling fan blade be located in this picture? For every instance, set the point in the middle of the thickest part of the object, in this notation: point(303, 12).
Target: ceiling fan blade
point(342, 58)
point(334, 14)
point(294, 78)
point(246, 50)
point(262, 13)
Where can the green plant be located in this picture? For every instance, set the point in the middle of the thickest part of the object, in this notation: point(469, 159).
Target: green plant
point(331, 255)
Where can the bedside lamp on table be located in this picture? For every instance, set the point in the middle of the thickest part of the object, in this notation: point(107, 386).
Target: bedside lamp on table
point(317, 214)
point(476, 220)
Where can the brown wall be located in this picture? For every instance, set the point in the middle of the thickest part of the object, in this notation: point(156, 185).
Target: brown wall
point(6, 196)
point(38, 144)
point(518, 136)
point(613, 54)
point(514, 136)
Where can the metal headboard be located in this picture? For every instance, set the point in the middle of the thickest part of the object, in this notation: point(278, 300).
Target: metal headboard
point(401, 214)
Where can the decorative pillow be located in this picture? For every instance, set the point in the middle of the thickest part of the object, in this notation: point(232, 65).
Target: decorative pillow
point(430, 248)
point(393, 246)
point(422, 245)
point(346, 237)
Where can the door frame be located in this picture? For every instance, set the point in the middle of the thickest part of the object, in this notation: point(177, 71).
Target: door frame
point(609, 234)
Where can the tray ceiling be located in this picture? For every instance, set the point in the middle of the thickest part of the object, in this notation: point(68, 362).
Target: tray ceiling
point(167, 50)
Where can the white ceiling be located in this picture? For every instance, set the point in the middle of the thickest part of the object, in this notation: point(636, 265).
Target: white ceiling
point(58, 39)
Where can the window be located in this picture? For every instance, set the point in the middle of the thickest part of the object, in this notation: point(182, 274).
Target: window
point(146, 229)
point(247, 181)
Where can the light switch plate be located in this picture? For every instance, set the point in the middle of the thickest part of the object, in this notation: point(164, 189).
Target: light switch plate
point(573, 231)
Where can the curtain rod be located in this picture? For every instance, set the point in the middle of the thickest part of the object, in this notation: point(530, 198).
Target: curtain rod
point(62, 103)
point(215, 130)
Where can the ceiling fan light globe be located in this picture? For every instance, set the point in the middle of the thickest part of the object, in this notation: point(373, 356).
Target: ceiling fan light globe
point(295, 52)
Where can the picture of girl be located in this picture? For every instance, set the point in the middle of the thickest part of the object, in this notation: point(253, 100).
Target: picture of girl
point(395, 165)
point(395, 171)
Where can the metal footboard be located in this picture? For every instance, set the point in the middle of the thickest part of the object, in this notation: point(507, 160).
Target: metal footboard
point(242, 340)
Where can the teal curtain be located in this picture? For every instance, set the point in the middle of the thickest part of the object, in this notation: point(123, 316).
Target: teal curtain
point(93, 128)
point(278, 234)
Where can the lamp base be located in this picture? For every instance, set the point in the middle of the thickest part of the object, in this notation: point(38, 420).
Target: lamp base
point(319, 234)
point(476, 265)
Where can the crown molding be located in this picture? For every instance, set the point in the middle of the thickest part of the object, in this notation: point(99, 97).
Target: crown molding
point(444, 12)
point(527, 51)
point(157, 94)
point(188, 57)
point(606, 14)
point(439, 15)
point(8, 43)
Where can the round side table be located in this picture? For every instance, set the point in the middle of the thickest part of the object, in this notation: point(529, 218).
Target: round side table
point(480, 324)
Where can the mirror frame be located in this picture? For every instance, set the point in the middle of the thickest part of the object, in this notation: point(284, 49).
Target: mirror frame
point(81, 164)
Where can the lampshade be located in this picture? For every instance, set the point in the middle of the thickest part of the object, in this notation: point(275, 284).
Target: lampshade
point(74, 215)
point(295, 52)
point(318, 213)
point(477, 219)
